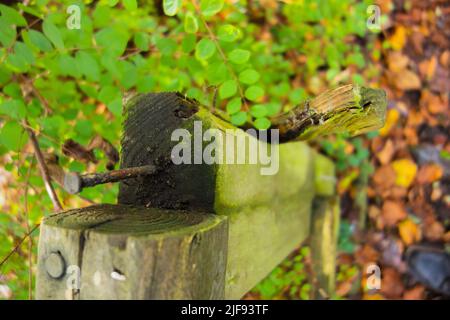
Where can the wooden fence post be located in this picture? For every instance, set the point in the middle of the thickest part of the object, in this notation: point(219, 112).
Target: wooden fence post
point(123, 252)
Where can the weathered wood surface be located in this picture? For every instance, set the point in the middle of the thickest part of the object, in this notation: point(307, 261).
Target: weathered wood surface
point(351, 108)
point(268, 214)
point(258, 219)
point(324, 235)
point(126, 252)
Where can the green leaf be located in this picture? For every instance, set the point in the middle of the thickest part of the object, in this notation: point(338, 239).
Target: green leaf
point(258, 110)
point(22, 50)
point(13, 90)
point(142, 41)
point(167, 46)
point(84, 128)
point(39, 40)
point(171, 7)
point(13, 108)
point(130, 4)
point(358, 79)
point(239, 56)
point(190, 23)
point(7, 33)
point(188, 43)
point(217, 73)
point(205, 49)
point(108, 93)
point(298, 95)
point(53, 34)
point(211, 7)
point(112, 40)
point(129, 74)
point(253, 93)
point(273, 108)
point(238, 119)
point(146, 84)
point(12, 136)
point(228, 89)
point(17, 63)
point(12, 16)
point(112, 3)
point(262, 123)
point(68, 66)
point(88, 66)
point(115, 107)
point(249, 76)
point(30, 10)
point(228, 33)
point(234, 105)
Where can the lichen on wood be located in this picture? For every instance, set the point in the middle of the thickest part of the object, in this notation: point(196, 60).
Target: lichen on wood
point(352, 109)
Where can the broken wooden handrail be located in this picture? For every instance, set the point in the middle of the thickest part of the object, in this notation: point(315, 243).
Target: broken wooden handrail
point(347, 109)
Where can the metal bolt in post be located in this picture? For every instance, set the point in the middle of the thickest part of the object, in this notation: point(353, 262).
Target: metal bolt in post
point(55, 265)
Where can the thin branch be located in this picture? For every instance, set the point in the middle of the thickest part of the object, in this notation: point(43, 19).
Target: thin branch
point(18, 245)
point(38, 95)
point(30, 241)
point(43, 169)
point(222, 54)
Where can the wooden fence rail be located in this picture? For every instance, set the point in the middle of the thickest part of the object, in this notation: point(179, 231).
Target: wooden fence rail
point(192, 231)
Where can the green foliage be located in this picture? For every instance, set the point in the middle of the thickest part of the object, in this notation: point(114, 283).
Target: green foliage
point(345, 243)
point(69, 83)
point(289, 280)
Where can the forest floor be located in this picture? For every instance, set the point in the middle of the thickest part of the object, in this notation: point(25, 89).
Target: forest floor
point(409, 192)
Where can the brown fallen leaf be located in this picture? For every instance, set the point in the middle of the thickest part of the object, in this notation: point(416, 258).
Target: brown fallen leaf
point(391, 284)
point(397, 61)
point(409, 232)
point(416, 293)
point(429, 173)
point(411, 135)
point(406, 80)
point(433, 230)
point(446, 237)
point(417, 42)
point(434, 103)
point(385, 155)
point(436, 192)
point(427, 68)
point(366, 254)
point(384, 178)
point(444, 58)
point(393, 212)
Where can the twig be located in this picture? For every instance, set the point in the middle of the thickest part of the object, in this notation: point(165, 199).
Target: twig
point(18, 245)
point(222, 54)
point(38, 95)
point(43, 168)
point(30, 241)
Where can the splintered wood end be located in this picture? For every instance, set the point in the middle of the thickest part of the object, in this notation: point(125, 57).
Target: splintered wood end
point(350, 108)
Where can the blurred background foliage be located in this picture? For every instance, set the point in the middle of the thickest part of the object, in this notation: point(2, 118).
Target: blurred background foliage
point(251, 59)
